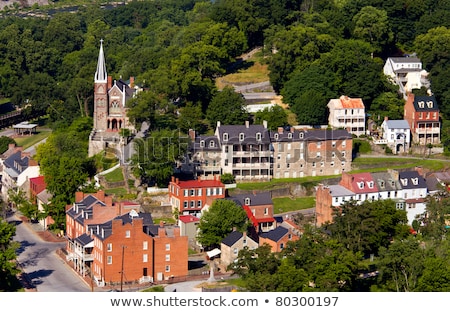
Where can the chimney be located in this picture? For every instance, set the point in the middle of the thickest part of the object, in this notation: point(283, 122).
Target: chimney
point(108, 201)
point(161, 229)
point(78, 196)
point(265, 124)
point(109, 82)
point(100, 195)
point(177, 181)
point(176, 232)
point(131, 82)
point(218, 124)
point(386, 118)
point(280, 130)
point(247, 124)
point(192, 134)
point(419, 170)
point(173, 179)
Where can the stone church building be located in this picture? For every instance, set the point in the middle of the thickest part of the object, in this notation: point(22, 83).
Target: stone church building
point(110, 111)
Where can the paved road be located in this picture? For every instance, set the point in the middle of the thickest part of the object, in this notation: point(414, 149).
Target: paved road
point(46, 271)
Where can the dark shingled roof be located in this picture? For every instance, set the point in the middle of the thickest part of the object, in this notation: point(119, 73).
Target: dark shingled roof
point(256, 199)
point(425, 99)
point(17, 162)
point(409, 176)
point(275, 234)
point(195, 146)
point(148, 226)
point(310, 135)
point(84, 239)
point(249, 134)
point(232, 238)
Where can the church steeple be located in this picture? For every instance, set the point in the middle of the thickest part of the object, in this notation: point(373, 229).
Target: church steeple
point(100, 75)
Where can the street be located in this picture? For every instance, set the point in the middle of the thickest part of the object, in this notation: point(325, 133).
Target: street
point(46, 271)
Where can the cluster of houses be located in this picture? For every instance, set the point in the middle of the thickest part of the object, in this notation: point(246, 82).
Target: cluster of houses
point(117, 242)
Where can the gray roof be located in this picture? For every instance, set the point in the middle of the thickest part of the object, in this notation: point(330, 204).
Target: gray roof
point(256, 199)
point(310, 135)
point(84, 239)
point(275, 234)
point(397, 124)
point(196, 146)
point(409, 176)
point(16, 163)
point(105, 229)
point(405, 59)
point(232, 238)
point(425, 98)
point(385, 181)
point(339, 190)
point(249, 134)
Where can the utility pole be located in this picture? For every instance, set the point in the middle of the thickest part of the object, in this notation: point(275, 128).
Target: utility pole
point(121, 272)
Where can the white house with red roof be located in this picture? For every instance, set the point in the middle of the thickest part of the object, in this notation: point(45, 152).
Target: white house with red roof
point(189, 197)
point(347, 113)
point(362, 184)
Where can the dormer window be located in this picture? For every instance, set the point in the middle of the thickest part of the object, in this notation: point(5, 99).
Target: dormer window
point(404, 182)
point(247, 201)
point(430, 104)
point(382, 184)
point(275, 136)
point(415, 181)
point(421, 104)
point(289, 135)
point(370, 184)
point(225, 137)
point(241, 136)
point(211, 143)
point(301, 135)
point(258, 136)
point(361, 185)
point(202, 143)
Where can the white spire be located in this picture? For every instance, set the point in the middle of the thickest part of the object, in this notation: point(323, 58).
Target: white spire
point(100, 74)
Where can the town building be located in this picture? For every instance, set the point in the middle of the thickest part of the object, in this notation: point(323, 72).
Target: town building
point(259, 209)
point(232, 244)
point(117, 243)
point(422, 115)
point(329, 198)
point(414, 192)
point(347, 113)
point(110, 110)
point(362, 184)
point(396, 135)
point(189, 197)
point(310, 152)
point(278, 238)
point(407, 73)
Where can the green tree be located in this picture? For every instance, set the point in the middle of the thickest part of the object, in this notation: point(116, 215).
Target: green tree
point(4, 143)
point(156, 156)
point(387, 104)
point(191, 117)
point(372, 25)
point(228, 107)
point(219, 220)
point(8, 248)
point(276, 116)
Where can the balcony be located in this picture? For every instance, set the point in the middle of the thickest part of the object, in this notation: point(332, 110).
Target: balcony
point(252, 153)
point(434, 130)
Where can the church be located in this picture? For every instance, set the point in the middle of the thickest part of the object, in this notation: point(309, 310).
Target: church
point(110, 111)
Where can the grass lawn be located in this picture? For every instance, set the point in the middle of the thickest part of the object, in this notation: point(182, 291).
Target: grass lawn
point(114, 176)
point(119, 191)
point(383, 164)
point(285, 204)
point(29, 140)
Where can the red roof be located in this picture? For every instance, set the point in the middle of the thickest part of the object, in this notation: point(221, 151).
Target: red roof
point(38, 180)
point(188, 218)
point(200, 183)
point(363, 183)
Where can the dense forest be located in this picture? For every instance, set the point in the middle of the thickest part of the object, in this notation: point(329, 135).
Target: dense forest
point(176, 49)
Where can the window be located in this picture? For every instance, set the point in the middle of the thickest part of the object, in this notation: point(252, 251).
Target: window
point(313, 163)
point(167, 268)
point(318, 155)
point(199, 204)
point(185, 192)
point(144, 258)
point(336, 199)
point(301, 135)
point(344, 143)
point(258, 136)
point(421, 104)
point(415, 181)
point(289, 135)
point(109, 260)
point(266, 211)
point(109, 247)
point(144, 245)
point(127, 234)
point(361, 185)
point(404, 182)
point(430, 104)
point(281, 246)
point(191, 192)
point(185, 204)
point(192, 203)
point(235, 251)
point(167, 246)
point(225, 137)
point(319, 144)
point(168, 257)
point(275, 136)
point(247, 201)
point(241, 136)
point(202, 143)
point(211, 143)
point(333, 144)
point(199, 192)
point(370, 184)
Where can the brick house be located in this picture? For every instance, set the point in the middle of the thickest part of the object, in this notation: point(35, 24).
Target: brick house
point(259, 209)
point(37, 185)
point(347, 113)
point(310, 152)
point(328, 199)
point(102, 233)
point(189, 197)
point(422, 115)
point(278, 238)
